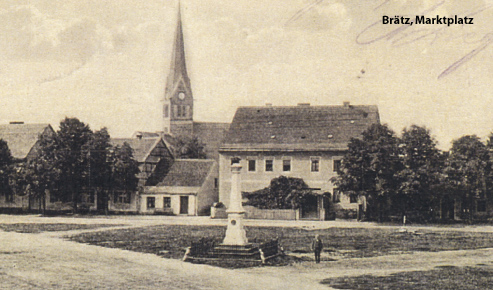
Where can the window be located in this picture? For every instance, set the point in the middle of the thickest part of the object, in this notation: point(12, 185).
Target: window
point(92, 197)
point(53, 197)
point(235, 160)
point(166, 111)
point(180, 111)
point(151, 202)
point(9, 197)
point(252, 165)
point(353, 198)
point(148, 168)
point(337, 195)
point(216, 183)
point(175, 110)
point(337, 165)
point(187, 111)
point(269, 165)
point(481, 205)
point(315, 164)
point(166, 202)
point(122, 197)
point(286, 165)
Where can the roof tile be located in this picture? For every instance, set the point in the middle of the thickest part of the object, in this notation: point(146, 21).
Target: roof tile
point(299, 127)
point(187, 172)
point(21, 137)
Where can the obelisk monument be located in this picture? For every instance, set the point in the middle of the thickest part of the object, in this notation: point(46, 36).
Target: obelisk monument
point(235, 233)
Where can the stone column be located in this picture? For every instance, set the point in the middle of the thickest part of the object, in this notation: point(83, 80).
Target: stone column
point(235, 233)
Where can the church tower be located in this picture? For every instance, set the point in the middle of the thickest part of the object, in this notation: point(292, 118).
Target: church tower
point(178, 99)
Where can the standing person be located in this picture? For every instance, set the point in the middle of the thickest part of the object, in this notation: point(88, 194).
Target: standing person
point(317, 246)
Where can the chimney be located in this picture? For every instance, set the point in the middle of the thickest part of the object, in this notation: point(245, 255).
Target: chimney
point(139, 135)
point(346, 104)
point(16, 122)
point(303, 104)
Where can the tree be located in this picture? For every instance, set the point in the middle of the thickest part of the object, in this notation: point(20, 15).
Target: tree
point(6, 161)
point(124, 169)
point(70, 157)
point(98, 166)
point(422, 165)
point(468, 171)
point(39, 175)
point(189, 147)
point(282, 193)
point(368, 169)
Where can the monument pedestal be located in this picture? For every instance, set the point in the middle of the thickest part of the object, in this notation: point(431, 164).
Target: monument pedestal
point(235, 233)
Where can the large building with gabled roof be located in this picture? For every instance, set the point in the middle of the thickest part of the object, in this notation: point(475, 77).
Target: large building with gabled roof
point(301, 141)
point(23, 139)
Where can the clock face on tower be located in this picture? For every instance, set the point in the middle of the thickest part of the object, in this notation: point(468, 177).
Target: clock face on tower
point(181, 96)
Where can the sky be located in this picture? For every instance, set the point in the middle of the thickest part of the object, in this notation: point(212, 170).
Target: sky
point(106, 62)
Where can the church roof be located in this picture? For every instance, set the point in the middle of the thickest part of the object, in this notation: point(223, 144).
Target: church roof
point(212, 135)
point(21, 137)
point(298, 128)
point(142, 147)
point(187, 172)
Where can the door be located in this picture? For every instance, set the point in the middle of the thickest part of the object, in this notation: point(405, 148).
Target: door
point(309, 208)
point(183, 204)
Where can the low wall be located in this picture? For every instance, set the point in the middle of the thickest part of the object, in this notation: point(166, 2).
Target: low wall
point(271, 214)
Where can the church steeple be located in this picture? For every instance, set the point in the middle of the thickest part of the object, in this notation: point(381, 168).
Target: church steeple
point(178, 99)
point(178, 67)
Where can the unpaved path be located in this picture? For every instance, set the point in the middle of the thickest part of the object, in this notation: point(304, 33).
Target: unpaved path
point(33, 261)
point(380, 266)
point(47, 261)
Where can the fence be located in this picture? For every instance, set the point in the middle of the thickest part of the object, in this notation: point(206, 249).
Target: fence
point(211, 249)
point(271, 214)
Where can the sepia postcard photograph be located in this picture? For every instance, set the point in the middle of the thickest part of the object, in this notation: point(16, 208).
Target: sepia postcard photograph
point(246, 144)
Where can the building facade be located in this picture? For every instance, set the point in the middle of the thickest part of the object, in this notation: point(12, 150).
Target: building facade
point(24, 143)
point(303, 141)
point(189, 188)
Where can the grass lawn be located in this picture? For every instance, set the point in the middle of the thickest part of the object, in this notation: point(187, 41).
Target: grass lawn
point(39, 228)
point(170, 240)
point(445, 278)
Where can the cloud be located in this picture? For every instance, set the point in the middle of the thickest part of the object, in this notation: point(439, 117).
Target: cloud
point(321, 15)
point(55, 47)
point(28, 34)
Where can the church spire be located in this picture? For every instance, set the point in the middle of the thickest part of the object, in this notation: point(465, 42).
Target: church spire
point(178, 67)
point(178, 98)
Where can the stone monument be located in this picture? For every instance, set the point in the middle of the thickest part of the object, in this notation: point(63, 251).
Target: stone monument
point(235, 233)
point(235, 247)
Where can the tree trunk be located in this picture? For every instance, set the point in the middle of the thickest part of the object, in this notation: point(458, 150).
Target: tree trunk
point(106, 202)
point(29, 202)
point(44, 203)
point(74, 202)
